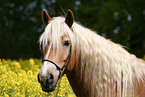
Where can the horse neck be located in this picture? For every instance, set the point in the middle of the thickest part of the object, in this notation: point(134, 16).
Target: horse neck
point(77, 83)
point(80, 89)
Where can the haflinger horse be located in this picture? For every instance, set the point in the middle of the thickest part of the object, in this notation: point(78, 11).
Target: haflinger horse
point(95, 66)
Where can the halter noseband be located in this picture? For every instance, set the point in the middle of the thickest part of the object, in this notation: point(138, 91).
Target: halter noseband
point(58, 68)
point(66, 62)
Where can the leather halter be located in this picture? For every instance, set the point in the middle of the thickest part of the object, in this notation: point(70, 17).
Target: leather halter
point(66, 62)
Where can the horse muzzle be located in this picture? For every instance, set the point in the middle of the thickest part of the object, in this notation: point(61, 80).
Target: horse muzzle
point(47, 83)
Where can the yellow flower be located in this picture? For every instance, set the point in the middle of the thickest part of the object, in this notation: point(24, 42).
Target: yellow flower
point(6, 95)
point(71, 95)
point(17, 95)
point(144, 57)
point(0, 62)
point(3, 69)
point(31, 61)
point(18, 78)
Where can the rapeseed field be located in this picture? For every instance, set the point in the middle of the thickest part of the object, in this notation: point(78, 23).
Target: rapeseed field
point(18, 78)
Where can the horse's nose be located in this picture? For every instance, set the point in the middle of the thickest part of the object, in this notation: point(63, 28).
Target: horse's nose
point(39, 79)
point(44, 80)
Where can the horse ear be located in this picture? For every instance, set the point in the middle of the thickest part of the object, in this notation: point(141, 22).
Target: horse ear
point(45, 17)
point(69, 18)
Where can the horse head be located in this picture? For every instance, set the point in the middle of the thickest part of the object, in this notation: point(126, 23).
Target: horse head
point(59, 57)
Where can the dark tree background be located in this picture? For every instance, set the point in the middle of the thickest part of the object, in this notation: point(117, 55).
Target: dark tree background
point(122, 21)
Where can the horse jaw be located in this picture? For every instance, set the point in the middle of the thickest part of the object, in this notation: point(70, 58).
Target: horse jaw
point(77, 83)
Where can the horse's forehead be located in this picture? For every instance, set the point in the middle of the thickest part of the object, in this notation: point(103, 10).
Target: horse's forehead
point(65, 37)
point(58, 20)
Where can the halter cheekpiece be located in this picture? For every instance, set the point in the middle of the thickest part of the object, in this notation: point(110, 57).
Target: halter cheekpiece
point(58, 68)
point(66, 62)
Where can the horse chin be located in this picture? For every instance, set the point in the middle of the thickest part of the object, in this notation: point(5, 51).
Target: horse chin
point(48, 88)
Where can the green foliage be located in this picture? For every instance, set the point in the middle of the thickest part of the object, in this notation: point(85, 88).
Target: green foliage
point(122, 21)
point(144, 57)
point(20, 28)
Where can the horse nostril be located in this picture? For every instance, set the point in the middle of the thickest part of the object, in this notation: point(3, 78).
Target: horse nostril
point(50, 79)
point(51, 76)
point(44, 80)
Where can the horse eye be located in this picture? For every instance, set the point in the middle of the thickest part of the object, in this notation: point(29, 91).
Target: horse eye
point(66, 43)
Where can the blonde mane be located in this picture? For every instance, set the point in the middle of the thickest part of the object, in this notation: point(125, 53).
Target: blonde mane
point(106, 66)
